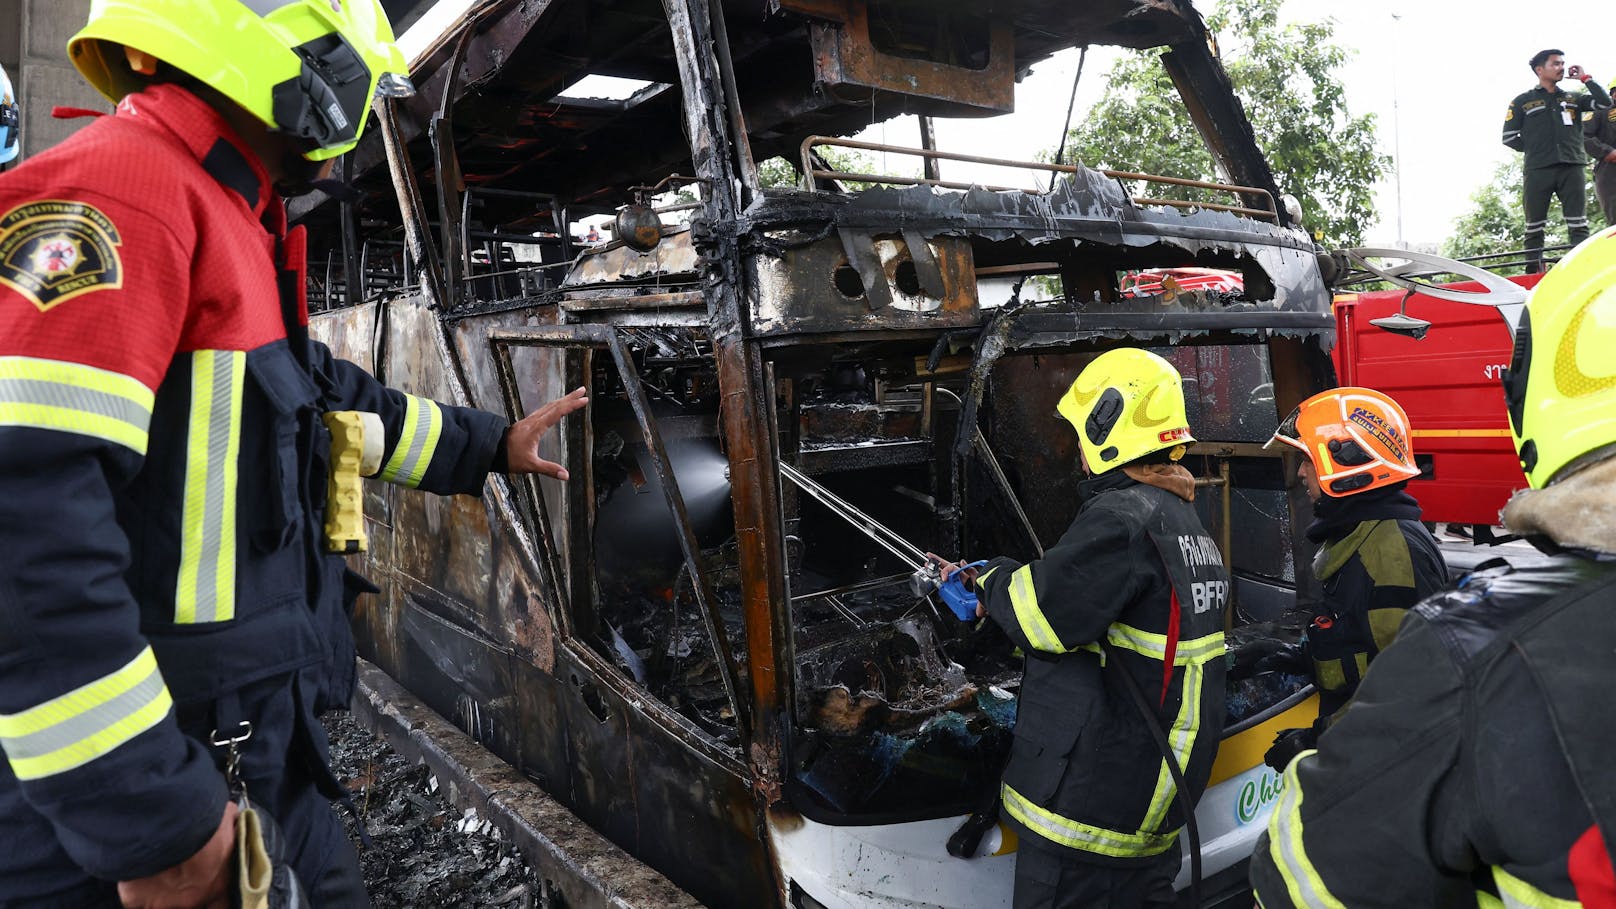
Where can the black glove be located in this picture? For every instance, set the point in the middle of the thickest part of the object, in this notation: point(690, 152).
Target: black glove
point(1287, 745)
point(1292, 659)
point(1245, 660)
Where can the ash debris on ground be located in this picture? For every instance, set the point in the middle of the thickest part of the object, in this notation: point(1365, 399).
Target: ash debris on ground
point(427, 852)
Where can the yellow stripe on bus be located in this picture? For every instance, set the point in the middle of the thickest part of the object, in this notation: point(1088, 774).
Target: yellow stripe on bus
point(1244, 750)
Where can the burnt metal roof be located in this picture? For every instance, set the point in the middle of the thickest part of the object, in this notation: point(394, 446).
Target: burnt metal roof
point(802, 67)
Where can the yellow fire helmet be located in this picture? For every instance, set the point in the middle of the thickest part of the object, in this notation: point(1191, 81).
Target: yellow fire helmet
point(306, 68)
point(1126, 404)
point(1561, 382)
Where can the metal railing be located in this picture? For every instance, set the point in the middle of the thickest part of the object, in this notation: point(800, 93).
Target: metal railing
point(812, 172)
point(1497, 263)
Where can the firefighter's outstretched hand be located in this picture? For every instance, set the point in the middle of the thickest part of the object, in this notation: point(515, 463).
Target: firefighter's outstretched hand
point(200, 882)
point(522, 442)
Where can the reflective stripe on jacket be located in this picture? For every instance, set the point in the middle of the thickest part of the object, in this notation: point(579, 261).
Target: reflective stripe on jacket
point(1370, 578)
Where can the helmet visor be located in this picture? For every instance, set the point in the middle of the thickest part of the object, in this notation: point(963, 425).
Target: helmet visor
point(1287, 432)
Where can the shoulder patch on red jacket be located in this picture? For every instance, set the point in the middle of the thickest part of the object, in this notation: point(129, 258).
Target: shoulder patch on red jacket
point(53, 250)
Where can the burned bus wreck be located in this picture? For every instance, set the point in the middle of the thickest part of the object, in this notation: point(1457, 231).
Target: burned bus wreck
point(697, 644)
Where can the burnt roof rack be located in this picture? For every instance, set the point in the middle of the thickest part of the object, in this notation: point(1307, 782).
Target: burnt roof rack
point(812, 171)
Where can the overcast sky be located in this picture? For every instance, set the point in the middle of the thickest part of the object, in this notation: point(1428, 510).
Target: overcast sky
point(1457, 66)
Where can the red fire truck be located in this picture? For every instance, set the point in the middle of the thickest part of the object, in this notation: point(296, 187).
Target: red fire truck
point(1447, 377)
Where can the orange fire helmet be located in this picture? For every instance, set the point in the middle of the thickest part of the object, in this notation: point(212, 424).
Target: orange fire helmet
point(1357, 438)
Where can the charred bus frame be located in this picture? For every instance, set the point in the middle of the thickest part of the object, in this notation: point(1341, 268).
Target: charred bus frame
point(492, 611)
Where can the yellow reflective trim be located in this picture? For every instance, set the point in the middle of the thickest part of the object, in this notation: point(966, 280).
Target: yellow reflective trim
point(1086, 837)
point(1330, 674)
point(1092, 647)
point(434, 430)
point(94, 746)
point(206, 587)
point(417, 442)
point(1033, 623)
point(1148, 643)
point(401, 447)
point(72, 397)
point(75, 728)
point(1285, 844)
point(1145, 643)
point(1181, 737)
point(63, 419)
point(1518, 894)
point(1200, 650)
point(62, 372)
point(226, 578)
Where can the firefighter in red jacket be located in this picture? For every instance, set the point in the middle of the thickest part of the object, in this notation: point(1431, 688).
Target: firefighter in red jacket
point(163, 454)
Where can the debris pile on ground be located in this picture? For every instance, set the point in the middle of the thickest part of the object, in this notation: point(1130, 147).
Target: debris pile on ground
point(427, 852)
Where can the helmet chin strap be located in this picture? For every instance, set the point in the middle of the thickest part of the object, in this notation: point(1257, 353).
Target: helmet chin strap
point(298, 177)
point(337, 190)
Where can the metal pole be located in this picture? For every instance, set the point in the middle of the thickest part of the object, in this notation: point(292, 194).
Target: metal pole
point(887, 538)
point(928, 141)
point(417, 226)
point(732, 100)
point(1000, 479)
point(1397, 135)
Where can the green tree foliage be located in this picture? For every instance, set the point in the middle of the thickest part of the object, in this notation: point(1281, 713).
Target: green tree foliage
point(1285, 76)
point(781, 172)
point(1496, 223)
point(778, 172)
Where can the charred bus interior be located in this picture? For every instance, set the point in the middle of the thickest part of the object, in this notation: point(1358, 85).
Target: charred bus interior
point(684, 643)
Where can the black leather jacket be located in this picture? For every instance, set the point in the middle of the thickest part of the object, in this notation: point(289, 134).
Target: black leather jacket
point(1470, 757)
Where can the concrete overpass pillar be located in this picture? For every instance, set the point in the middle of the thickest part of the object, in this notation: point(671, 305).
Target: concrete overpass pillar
point(33, 49)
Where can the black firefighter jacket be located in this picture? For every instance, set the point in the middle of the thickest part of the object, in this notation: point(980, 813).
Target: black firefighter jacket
point(1375, 561)
point(1135, 580)
point(1463, 772)
point(162, 485)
